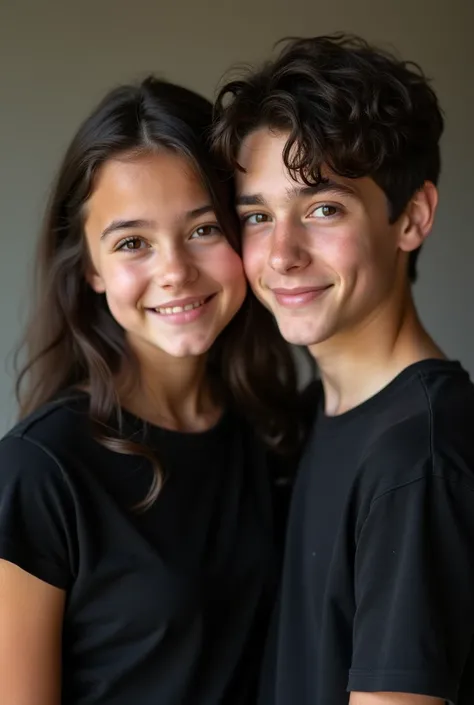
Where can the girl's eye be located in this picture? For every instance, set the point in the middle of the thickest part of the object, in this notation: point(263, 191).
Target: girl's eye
point(256, 219)
point(206, 231)
point(132, 244)
point(325, 211)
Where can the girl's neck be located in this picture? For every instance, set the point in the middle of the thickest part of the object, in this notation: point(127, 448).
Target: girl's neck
point(172, 392)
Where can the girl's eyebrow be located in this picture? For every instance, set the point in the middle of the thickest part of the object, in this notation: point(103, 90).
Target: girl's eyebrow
point(126, 225)
point(140, 223)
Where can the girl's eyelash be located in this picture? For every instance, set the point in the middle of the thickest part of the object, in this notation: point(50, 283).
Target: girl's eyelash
point(206, 231)
point(122, 245)
point(214, 227)
point(132, 238)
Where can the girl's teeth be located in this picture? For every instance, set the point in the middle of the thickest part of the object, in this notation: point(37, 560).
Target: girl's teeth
point(180, 309)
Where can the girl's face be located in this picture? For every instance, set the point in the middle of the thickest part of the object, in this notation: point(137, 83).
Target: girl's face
point(171, 279)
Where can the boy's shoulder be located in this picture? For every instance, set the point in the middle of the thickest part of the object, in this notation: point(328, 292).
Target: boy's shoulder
point(426, 429)
point(421, 424)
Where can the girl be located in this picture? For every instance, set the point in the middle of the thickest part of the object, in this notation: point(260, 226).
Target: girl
point(136, 555)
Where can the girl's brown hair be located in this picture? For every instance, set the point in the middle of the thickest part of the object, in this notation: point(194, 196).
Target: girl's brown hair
point(73, 340)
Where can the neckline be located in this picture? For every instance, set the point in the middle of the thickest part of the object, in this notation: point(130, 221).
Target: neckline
point(138, 424)
point(381, 397)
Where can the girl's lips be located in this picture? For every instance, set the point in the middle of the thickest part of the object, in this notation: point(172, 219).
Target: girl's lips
point(182, 311)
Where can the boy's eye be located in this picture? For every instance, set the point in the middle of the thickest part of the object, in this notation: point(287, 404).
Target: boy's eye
point(256, 218)
point(325, 211)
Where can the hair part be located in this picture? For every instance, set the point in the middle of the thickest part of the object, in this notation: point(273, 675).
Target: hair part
point(354, 108)
point(73, 340)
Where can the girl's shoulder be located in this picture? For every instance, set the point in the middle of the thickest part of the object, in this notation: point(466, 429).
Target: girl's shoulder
point(55, 423)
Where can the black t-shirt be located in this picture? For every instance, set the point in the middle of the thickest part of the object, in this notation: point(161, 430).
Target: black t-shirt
point(166, 606)
point(378, 585)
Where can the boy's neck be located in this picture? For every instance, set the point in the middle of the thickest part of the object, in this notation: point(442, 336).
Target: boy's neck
point(357, 364)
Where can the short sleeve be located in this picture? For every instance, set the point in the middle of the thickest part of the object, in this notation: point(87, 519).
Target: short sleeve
point(414, 590)
point(35, 512)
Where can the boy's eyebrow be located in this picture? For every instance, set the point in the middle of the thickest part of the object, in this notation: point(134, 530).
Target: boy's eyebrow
point(247, 199)
point(326, 186)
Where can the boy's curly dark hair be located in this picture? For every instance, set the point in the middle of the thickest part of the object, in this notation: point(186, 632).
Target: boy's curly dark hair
point(357, 109)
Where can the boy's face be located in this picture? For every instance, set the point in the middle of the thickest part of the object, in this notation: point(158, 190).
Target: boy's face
point(325, 260)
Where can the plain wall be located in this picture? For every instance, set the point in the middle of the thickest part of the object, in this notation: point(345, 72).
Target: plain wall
point(57, 59)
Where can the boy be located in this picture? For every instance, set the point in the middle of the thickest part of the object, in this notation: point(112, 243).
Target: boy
point(336, 149)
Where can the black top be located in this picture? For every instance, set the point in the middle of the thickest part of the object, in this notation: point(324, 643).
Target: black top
point(378, 586)
point(167, 606)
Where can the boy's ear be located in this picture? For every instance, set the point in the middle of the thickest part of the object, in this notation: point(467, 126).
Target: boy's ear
point(418, 218)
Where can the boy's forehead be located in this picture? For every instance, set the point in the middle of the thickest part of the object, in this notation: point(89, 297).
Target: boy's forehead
point(264, 171)
point(261, 158)
point(262, 148)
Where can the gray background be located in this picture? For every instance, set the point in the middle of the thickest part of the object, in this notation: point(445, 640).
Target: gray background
point(57, 58)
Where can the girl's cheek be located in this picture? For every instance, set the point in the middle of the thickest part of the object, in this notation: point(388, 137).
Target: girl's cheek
point(123, 283)
point(225, 264)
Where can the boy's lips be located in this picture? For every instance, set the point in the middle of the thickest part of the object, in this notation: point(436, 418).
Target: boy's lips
point(299, 296)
